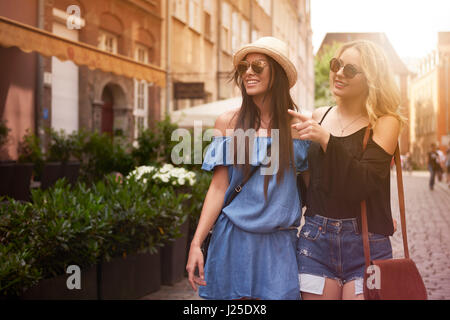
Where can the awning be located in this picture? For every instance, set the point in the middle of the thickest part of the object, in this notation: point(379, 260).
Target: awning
point(28, 39)
point(206, 113)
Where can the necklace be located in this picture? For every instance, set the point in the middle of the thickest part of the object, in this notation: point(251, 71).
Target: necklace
point(343, 128)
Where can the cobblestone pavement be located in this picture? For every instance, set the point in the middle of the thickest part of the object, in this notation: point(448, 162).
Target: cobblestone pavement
point(428, 225)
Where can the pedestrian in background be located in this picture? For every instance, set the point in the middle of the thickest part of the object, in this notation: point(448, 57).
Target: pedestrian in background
point(441, 161)
point(433, 165)
point(252, 251)
point(330, 248)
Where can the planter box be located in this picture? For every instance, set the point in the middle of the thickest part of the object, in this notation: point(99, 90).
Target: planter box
point(56, 288)
point(173, 258)
point(130, 278)
point(6, 174)
point(53, 171)
point(15, 180)
point(71, 171)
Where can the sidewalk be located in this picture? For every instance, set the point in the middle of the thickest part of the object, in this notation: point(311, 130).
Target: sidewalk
point(180, 291)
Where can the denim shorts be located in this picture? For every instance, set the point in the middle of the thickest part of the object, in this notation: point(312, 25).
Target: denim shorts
point(333, 248)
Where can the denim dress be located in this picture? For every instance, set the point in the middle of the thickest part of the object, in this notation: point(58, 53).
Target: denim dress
point(248, 255)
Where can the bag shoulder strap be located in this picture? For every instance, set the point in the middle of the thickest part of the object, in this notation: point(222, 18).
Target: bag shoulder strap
point(401, 199)
point(239, 187)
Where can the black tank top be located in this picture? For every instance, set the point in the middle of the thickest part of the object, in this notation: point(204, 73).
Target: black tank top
point(343, 176)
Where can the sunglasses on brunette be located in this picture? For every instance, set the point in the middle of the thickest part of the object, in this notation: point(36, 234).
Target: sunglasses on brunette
point(350, 71)
point(257, 66)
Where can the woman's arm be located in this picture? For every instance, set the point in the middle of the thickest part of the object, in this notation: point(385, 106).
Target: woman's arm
point(212, 206)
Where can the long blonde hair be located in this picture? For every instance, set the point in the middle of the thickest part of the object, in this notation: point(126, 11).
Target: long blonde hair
point(383, 96)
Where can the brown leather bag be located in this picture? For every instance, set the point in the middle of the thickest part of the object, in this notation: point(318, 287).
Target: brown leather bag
point(393, 279)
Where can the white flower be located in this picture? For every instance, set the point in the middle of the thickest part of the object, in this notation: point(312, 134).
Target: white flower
point(140, 171)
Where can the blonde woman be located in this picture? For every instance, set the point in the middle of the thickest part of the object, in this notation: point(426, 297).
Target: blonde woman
point(330, 249)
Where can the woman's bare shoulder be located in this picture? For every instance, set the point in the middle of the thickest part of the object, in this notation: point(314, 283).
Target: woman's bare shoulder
point(318, 113)
point(386, 132)
point(226, 121)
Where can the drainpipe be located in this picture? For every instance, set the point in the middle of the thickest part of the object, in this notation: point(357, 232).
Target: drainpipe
point(38, 106)
point(251, 21)
point(219, 45)
point(168, 57)
point(272, 18)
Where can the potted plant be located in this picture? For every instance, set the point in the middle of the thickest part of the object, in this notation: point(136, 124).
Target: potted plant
point(17, 269)
point(29, 165)
point(140, 219)
point(59, 163)
point(66, 229)
point(6, 166)
point(179, 181)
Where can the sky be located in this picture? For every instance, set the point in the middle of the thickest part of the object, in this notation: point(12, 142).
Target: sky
point(410, 25)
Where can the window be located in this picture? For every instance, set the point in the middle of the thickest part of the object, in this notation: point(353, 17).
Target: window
point(235, 37)
point(226, 26)
point(140, 107)
point(265, 5)
point(255, 35)
point(208, 12)
point(179, 9)
point(142, 54)
point(208, 25)
point(108, 42)
point(244, 32)
point(194, 14)
point(140, 112)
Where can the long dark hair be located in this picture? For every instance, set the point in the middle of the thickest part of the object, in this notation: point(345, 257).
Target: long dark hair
point(249, 117)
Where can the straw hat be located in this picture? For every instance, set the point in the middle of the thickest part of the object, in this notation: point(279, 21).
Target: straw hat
point(274, 48)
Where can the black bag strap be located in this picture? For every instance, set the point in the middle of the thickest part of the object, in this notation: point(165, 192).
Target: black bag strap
point(239, 187)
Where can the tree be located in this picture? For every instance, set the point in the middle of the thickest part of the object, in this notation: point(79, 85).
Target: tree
point(323, 96)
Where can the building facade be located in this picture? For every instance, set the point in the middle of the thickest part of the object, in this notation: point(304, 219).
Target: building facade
point(191, 41)
point(429, 102)
point(204, 34)
point(65, 96)
point(106, 102)
point(18, 80)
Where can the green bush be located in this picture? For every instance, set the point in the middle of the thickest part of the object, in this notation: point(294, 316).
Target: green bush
point(17, 258)
point(4, 132)
point(100, 155)
point(141, 216)
point(67, 225)
point(198, 197)
point(29, 150)
point(155, 144)
point(62, 146)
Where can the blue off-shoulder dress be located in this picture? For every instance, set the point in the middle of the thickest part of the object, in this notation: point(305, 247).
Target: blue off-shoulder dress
point(248, 256)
